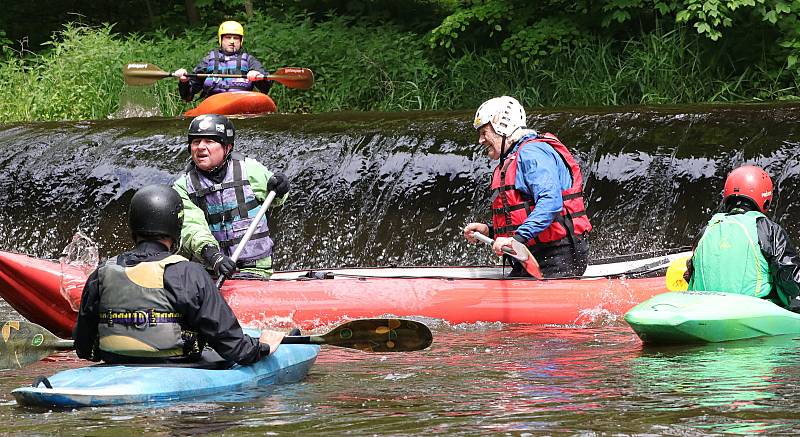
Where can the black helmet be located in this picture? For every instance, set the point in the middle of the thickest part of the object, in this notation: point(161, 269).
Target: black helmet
point(214, 126)
point(156, 210)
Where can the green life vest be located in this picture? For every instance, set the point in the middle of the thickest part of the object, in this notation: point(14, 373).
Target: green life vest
point(728, 257)
point(136, 317)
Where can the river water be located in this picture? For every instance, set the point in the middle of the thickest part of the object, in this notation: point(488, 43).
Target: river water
point(478, 379)
point(380, 189)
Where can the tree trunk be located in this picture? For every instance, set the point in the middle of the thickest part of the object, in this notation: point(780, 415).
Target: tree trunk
point(191, 13)
point(248, 8)
point(150, 17)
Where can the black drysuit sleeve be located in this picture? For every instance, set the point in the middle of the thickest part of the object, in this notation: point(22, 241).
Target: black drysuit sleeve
point(205, 311)
point(780, 253)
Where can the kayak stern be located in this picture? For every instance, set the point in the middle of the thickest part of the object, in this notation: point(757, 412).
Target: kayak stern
point(107, 385)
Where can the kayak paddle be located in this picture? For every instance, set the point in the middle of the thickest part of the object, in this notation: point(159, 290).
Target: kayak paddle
point(140, 73)
point(23, 343)
point(249, 232)
point(675, 280)
point(372, 335)
point(517, 251)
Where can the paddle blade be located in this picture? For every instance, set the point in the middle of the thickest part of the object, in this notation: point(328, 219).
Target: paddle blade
point(23, 343)
point(373, 335)
point(140, 73)
point(675, 271)
point(519, 252)
point(293, 77)
point(523, 255)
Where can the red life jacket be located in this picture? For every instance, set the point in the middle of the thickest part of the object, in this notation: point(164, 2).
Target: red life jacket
point(510, 207)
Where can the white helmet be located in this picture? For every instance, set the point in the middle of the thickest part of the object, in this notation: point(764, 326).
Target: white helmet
point(504, 113)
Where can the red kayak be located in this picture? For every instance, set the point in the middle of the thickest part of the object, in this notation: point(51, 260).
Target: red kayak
point(235, 102)
point(48, 293)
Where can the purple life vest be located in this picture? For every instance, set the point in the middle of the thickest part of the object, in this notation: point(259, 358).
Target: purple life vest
point(229, 208)
point(219, 63)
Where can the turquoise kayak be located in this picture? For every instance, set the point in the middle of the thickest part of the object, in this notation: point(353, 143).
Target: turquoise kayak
point(102, 385)
point(687, 317)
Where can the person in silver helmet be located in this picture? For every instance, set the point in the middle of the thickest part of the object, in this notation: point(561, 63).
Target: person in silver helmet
point(222, 191)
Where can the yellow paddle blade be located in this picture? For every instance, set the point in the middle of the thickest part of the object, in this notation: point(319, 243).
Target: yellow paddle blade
point(23, 343)
point(675, 271)
point(142, 73)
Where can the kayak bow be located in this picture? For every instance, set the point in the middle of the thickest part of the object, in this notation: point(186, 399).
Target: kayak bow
point(708, 317)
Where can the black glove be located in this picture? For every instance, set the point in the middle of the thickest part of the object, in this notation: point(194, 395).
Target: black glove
point(221, 264)
point(279, 184)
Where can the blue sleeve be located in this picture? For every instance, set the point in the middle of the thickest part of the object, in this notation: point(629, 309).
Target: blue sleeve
point(540, 176)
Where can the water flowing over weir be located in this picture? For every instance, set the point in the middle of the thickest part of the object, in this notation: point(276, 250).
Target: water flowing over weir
point(396, 188)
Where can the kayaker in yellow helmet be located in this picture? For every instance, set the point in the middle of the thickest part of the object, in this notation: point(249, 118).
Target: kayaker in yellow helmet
point(148, 305)
point(537, 191)
point(222, 190)
point(228, 58)
point(741, 250)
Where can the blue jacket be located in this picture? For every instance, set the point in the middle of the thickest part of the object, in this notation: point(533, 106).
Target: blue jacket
point(541, 174)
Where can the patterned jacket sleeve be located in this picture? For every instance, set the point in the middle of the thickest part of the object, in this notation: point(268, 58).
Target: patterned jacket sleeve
point(195, 233)
point(187, 90)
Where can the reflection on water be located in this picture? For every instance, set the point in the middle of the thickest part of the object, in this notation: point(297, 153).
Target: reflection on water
point(751, 378)
point(480, 379)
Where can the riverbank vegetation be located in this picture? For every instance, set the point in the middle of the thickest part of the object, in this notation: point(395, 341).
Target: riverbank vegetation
point(429, 55)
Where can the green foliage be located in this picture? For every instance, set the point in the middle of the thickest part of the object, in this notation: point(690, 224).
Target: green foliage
point(653, 69)
point(4, 41)
point(361, 66)
point(531, 30)
point(357, 68)
point(80, 77)
point(548, 37)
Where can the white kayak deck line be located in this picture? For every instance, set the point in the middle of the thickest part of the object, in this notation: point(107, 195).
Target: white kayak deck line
point(593, 271)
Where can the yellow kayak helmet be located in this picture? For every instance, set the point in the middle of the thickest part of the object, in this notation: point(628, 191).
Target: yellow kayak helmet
point(230, 28)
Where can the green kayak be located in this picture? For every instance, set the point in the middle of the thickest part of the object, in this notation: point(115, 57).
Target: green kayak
point(687, 317)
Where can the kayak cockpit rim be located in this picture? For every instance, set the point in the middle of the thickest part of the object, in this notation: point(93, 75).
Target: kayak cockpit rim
point(631, 268)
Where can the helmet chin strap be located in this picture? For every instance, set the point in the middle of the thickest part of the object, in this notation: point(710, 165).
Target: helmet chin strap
point(503, 152)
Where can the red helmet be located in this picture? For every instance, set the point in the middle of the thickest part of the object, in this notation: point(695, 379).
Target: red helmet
point(749, 182)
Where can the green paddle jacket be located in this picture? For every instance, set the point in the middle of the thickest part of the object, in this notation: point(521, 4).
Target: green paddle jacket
point(745, 252)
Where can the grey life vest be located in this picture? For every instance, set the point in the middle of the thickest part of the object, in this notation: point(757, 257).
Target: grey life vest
point(136, 317)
